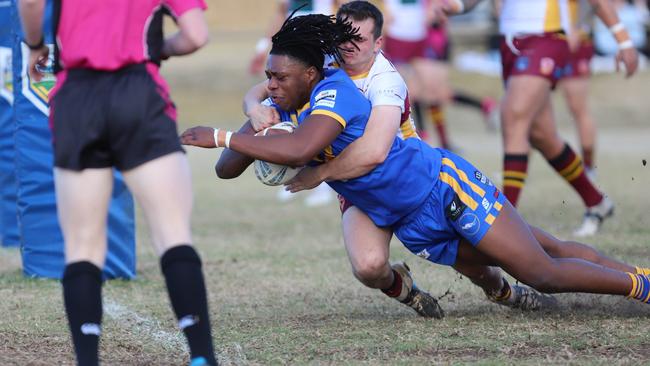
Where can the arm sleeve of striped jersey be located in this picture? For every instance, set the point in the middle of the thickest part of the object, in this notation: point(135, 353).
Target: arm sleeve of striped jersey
point(387, 89)
point(337, 100)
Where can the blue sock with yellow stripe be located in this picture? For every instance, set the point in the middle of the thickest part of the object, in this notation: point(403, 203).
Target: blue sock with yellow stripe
point(640, 287)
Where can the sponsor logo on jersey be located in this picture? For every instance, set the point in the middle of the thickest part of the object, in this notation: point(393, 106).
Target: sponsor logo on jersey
point(482, 178)
point(469, 223)
point(568, 70)
point(326, 98)
point(583, 67)
point(486, 205)
point(326, 94)
point(392, 92)
point(522, 63)
point(455, 208)
point(546, 66)
point(424, 254)
point(325, 103)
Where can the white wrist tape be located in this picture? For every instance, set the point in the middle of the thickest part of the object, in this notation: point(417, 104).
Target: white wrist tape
point(617, 27)
point(228, 136)
point(216, 137)
point(626, 44)
point(262, 45)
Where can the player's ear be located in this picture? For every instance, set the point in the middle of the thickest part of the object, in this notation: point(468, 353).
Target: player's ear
point(379, 43)
point(312, 74)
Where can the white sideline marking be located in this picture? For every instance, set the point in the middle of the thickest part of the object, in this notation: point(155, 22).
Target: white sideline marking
point(144, 327)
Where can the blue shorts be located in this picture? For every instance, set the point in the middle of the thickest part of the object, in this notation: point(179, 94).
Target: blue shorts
point(463, 204)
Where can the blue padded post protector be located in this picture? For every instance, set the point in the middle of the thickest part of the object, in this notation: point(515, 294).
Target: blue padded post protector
point(41, 240)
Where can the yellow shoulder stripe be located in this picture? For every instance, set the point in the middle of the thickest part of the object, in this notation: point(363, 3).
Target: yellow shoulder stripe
point(336, 116)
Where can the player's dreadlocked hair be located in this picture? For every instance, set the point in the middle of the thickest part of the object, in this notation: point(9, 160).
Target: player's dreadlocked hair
point(310, 37)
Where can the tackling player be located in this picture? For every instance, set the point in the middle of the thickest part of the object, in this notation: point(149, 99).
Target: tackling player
point(452, 210)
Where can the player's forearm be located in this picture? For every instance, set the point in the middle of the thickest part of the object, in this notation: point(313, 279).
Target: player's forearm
point(254, 97)
point(232, 164)
point(605, 10)
point(31, 16)
point(356, 160)
point(370, 150)
point(296, 149)
point(193, 34)
point(279, 149)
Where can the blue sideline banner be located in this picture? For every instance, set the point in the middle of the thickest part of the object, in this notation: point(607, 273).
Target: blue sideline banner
point(8, 212)
point(41, 240)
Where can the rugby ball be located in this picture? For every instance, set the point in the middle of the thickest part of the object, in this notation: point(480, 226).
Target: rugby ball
point(274, 174)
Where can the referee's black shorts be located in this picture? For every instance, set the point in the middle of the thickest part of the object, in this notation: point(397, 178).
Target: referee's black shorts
point(121, 118)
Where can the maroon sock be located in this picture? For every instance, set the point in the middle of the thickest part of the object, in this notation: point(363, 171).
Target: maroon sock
point(569, 166)
point(588, 157)
point(396, 288)
point(438, 119)
point(515, 170)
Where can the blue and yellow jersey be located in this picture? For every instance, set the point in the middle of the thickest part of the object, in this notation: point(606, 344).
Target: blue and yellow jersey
point(383, 193)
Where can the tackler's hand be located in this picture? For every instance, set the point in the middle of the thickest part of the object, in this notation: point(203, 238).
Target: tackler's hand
point(307, 178)
point(263, 116)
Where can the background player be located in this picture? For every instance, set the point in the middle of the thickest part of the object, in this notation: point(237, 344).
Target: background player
point(575, 79)
point(438, 49)
point(405, 44)
point(110, 107)
point(533, 53)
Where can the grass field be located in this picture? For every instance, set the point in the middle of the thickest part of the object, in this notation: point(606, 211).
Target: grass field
point(279, 283)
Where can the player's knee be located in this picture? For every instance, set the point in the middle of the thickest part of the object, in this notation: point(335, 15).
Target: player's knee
point(514, 113)
point(370, 269)
point(537, 139)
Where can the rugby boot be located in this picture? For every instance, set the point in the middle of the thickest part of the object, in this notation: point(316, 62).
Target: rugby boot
point(594, 217)
point(523, 298)
point(420, 301)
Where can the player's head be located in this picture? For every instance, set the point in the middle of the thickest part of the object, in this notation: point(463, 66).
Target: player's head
point(370, 21)
point(296, 59)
